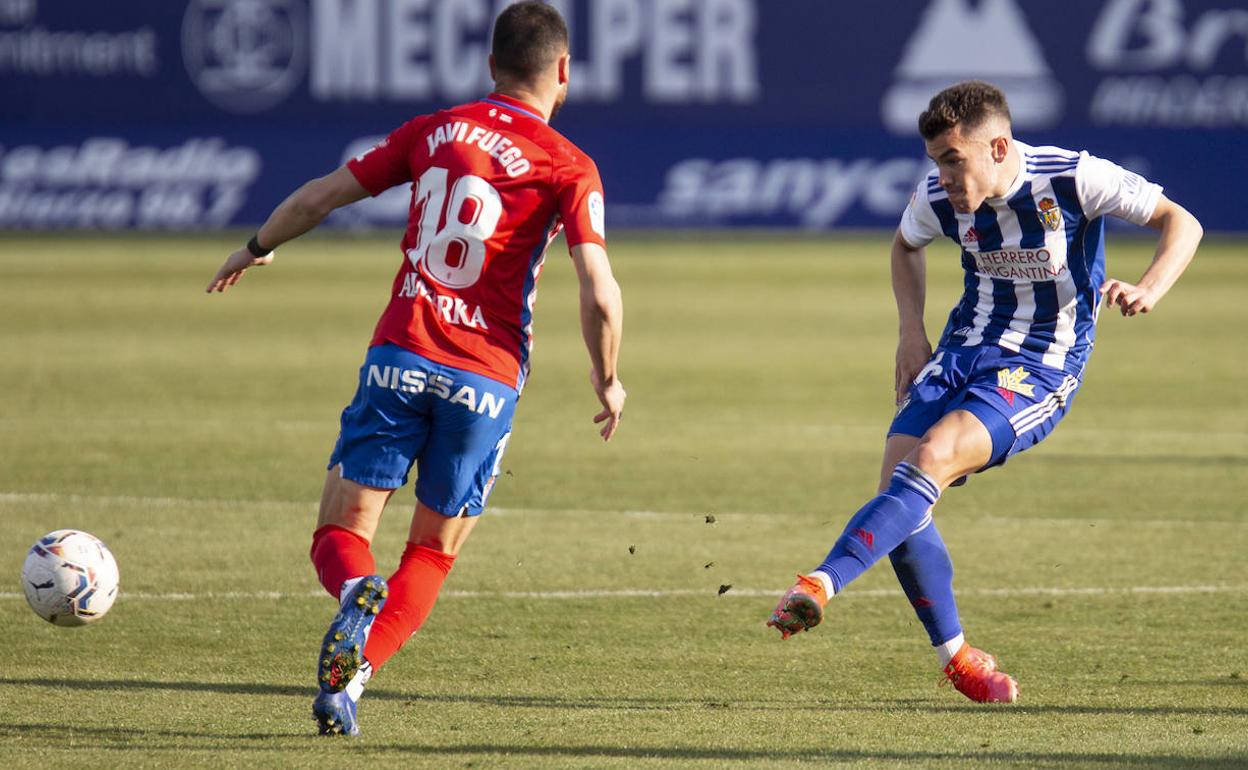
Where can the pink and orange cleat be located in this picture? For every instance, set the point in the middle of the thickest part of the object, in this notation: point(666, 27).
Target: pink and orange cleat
point(974, 674)
point(801, 607)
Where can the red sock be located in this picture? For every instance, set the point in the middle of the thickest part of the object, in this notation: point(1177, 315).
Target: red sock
point(339, 555)
point(414, 588)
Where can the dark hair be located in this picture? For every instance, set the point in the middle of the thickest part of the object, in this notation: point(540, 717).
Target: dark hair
point(528, 36)
point(968, 104)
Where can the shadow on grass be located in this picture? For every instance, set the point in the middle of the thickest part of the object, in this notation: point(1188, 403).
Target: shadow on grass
point(627, 703)
point(129, 737)
point(138, 740)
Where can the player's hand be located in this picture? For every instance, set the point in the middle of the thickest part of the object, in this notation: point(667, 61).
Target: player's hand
point(611, 395)
point(1129, 298)
point(913, 353)
point(234, 268)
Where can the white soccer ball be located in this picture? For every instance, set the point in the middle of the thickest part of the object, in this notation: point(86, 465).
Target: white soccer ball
point(70, 578)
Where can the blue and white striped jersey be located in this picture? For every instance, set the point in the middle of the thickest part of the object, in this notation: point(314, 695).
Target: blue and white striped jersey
point(1035, 257)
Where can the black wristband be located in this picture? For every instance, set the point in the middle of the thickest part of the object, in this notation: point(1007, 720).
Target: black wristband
point(256, 249)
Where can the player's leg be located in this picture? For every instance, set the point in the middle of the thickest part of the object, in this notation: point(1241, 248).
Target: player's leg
point(1019, 406)
point(923, 566)
point(927, 400)
point(896, 447)
point(898, 522)
point(433, 543)
point(344, 563)
point(380, 432)
point(956, 445)
point(960, 443)
point(383, 430)
point(801, 607)
point(348, 517)
point(925, 571)
point(457, 470)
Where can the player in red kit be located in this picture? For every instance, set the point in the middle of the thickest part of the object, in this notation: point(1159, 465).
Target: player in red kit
point(492, 185)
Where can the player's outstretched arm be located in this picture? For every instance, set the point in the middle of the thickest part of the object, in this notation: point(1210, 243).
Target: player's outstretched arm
point(602, 323)
point(909, 268)
point(1180, 235)
point(303, 210)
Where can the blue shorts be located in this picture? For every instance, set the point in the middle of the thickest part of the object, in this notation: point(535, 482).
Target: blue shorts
point(451, 424)
point(1018, 400)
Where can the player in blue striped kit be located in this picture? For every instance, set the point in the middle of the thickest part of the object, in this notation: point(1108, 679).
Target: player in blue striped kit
point(1030, 223)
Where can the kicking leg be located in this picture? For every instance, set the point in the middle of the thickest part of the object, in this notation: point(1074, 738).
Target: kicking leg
point(900, 518)
point(954, 446)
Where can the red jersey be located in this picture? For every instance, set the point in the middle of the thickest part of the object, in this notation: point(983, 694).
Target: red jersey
point(492, 185)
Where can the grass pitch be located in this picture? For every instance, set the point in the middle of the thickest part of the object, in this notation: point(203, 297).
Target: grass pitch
point(582, 625)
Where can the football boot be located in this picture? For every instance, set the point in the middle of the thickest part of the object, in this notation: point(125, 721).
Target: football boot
point(801, 607)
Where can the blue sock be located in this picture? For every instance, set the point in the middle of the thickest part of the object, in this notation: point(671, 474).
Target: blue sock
point(923, 566)
point(881, 525)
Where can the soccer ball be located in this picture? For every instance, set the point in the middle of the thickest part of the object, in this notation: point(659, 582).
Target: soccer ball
point(70, 578)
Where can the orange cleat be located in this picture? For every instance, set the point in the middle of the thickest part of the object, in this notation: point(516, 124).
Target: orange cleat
point(801, 607)
point(974, 674)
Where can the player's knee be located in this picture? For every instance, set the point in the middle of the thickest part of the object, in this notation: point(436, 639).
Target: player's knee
point(935, 456)
point(358, 516)
point(439, 532)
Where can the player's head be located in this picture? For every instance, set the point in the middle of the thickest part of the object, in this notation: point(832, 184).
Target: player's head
point(966, 128)
point(530, 50)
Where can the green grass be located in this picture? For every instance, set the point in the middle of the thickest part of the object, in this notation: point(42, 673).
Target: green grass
point(190, 433)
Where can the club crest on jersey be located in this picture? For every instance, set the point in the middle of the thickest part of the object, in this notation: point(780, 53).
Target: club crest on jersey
point(1010, 381)
point(1050, 213)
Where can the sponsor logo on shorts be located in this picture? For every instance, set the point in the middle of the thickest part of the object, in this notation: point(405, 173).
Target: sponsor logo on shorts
point(419, 381)
point(1010, 381)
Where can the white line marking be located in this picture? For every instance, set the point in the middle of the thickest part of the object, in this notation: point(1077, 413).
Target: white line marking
point(643, 593)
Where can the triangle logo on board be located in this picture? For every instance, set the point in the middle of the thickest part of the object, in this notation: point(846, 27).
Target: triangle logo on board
point(959, 40)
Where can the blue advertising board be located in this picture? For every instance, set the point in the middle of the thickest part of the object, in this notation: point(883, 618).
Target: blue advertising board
point(203, 114)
